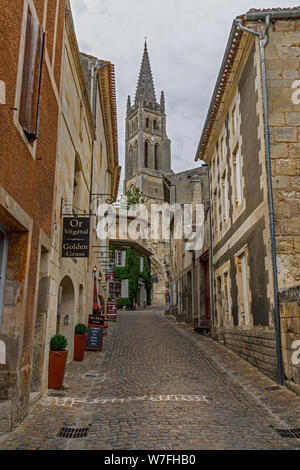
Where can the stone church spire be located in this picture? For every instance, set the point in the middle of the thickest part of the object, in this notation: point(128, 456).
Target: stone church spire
point(145, 88)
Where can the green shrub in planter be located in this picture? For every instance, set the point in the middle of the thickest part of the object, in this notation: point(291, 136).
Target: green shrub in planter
point(124, 303)
point(80, 329)
point(58, 343)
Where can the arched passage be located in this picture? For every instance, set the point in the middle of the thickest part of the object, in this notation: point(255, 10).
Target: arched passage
point(65, 312)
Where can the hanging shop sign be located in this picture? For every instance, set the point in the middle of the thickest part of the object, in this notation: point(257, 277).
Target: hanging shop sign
point(76, 237)
point(112, 310)
point(110, 277)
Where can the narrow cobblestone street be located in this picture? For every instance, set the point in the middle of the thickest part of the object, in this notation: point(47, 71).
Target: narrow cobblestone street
point(159, 385)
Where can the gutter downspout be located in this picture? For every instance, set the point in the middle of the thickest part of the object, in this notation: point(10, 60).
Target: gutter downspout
point(93, 108)
point(211, 257)
point(263, 42)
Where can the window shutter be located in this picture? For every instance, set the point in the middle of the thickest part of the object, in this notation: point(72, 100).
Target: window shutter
point(124, 288)
point(123, 258)
point(31, 78)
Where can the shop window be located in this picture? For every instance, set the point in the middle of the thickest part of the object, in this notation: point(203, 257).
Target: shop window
point(29, 105)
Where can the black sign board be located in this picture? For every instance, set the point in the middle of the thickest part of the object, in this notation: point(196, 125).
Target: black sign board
point(95, 332)
point(76, 237)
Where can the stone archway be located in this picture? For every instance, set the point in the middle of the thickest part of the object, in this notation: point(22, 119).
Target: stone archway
point(65, 312)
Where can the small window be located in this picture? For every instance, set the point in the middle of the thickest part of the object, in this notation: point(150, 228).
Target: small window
point(2, 93)
point(124, 289)
point(237, 179)
point(146, 151)
point(29, 105)
point(234, 120)
point(120, 258)
point(225, 197)
point(243, 283)
point(156, 156)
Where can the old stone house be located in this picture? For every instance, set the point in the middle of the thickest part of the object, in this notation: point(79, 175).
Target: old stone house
point(30, 70)
point(251, 142)
point(87, 172)
point(189, 271)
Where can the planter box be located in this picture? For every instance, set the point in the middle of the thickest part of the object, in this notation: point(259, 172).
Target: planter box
point(57, 366)
point(79, 346)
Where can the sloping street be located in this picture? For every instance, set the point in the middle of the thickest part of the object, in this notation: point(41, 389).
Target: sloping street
point(159, 385)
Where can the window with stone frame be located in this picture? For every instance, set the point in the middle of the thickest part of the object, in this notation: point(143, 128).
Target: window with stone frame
point(4, 239)
point(120, 258)
point(146, 153)
point(234, 120)
point(227, 303)
point(237, 177)
point(215, 210)
point(156, 157)
point(29, 105)
point(77, 185)
point(224, 191)
point(243, 287)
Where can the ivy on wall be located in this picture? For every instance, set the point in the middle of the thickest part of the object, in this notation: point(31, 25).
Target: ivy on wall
point(131, 271)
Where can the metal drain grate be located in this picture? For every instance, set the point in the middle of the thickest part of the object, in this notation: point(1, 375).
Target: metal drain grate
point(272, 389)
point(289, 433)
point(90, 376)
point(73, 433)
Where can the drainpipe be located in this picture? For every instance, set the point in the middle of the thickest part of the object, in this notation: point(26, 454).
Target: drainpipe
point(211, 265)
point(263, 42)
point(93, 108)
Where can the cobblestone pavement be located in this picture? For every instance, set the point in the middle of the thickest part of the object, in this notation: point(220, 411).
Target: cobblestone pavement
point(159, 385)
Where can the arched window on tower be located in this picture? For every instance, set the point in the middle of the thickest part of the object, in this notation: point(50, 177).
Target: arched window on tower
point(155, 125)
point(156, 156)
point(130, 160)
point(135, 157)
point(147, 122)
point(146, 153)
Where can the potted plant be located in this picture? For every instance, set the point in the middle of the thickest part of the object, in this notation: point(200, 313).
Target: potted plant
point(80, 341)
point(57, 361)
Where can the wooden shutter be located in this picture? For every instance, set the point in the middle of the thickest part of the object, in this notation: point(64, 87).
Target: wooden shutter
point(31, 78)
point(124, 288)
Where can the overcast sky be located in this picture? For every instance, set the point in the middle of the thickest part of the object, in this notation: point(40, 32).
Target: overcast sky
point(186, 43)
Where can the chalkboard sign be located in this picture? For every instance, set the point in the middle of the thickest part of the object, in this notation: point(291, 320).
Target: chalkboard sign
point(95, 332)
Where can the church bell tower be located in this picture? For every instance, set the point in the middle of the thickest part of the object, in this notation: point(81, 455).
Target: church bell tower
point(147, 147)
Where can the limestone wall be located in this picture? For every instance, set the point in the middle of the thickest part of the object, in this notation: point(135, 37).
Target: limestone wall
point(290, 335)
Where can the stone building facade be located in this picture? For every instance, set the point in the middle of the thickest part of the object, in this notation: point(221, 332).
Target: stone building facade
point(30, 68)
point(147, 160)
point(87, 172)
point(234, 143)
point(190, 292)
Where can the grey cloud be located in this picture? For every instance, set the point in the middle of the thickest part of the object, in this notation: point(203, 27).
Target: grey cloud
point(186, 42)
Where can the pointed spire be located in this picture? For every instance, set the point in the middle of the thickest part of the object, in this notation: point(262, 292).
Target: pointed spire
point(145, 88)
point(162, 102)
point(128, 104)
